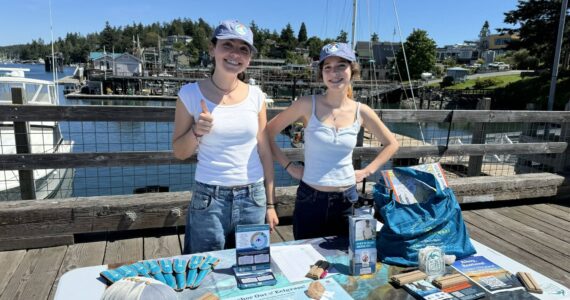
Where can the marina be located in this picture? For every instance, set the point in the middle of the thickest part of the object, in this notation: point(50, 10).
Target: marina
point(89, 180)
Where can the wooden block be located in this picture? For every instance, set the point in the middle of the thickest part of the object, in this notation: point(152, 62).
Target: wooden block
point(404, 278)
point(529, 282)
point(449, 280)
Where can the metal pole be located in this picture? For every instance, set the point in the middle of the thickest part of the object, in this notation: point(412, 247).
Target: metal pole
point(354, 11)
point(557, 54)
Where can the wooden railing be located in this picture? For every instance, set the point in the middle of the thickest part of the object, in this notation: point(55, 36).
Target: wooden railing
point(166, 114)
point(37, 223)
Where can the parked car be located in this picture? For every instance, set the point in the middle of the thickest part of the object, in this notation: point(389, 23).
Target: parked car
point(499, 65)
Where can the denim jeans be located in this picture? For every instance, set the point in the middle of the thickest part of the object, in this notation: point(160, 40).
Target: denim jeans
point(216, 210)
point(319, 214)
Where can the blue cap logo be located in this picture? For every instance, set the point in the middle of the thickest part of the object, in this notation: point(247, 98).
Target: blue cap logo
point(332, 48)
point(240, 29)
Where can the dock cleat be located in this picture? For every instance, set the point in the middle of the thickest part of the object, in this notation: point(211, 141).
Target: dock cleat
point(111, 276)
point(193, 264)
point(141, 269)
point(166, 266)
point(204, 269)
point(155, 270)
point(179, 267)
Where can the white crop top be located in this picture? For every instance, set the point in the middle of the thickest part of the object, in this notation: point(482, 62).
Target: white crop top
point(328, 152)
point(227, 155)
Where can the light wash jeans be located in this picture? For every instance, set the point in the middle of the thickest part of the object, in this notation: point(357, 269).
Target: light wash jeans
point(216, 210)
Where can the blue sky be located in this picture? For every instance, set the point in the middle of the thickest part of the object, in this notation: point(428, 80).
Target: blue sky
point(446, 21)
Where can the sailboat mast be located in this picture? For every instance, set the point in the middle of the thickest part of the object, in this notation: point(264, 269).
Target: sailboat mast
point(552, 91)
point(354, 10)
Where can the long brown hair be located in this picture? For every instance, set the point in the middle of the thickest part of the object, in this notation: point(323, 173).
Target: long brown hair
point(354, 75)
point(241, 76)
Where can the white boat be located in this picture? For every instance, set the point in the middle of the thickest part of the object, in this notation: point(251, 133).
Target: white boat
point(44, 137)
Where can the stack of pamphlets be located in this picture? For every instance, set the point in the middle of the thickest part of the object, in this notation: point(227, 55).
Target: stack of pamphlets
point(424, 290)
point(487, 274)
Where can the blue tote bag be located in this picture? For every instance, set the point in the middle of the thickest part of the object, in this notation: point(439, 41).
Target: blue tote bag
point(435, 221)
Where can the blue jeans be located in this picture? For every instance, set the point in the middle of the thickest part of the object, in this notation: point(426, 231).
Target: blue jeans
point(216, 210)
point(319, 214)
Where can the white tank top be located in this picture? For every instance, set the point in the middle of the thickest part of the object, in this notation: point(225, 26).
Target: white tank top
point(227, 155)
point(328, 152)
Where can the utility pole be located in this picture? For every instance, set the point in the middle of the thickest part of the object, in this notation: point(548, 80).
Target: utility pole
point(557, 54)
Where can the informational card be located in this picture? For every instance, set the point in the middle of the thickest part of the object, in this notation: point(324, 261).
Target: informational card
point(300, 291)
point(253, 258)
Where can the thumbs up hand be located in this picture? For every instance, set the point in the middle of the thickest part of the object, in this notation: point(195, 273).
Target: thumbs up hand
point(205, 121)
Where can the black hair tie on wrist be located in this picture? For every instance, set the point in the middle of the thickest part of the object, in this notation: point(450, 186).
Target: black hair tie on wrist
point(287, 166)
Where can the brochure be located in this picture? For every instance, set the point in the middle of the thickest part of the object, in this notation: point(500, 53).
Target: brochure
point(408, 190)
point(253, 260)
point(423, 289)
point(465, 291)
point(487, 274)
point(333, 290)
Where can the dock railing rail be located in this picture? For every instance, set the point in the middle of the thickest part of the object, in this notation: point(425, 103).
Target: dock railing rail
point(538, 164)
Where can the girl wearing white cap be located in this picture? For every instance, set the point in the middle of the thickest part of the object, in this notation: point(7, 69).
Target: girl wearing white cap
point(332, 122)
point(225, 119)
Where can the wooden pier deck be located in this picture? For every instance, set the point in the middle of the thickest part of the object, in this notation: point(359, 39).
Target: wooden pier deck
point(535, 234)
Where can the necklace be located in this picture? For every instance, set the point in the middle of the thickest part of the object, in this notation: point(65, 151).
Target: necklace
point(226, 92)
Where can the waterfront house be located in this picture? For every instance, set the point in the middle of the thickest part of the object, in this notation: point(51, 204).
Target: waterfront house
point(459, 74)
point(102, 60)
point(376, 57)
point(127, 65)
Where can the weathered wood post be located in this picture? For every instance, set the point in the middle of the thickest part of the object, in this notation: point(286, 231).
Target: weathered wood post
point(475, 162)
point(563, 159)
point(21, 134)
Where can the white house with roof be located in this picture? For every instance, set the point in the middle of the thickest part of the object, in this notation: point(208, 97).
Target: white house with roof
point(459, 74)
point(122, 64)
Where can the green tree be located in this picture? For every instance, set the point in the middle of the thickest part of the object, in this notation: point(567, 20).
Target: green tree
point(483, 35)
point(374, 37)
point(314, 44)
point(109, 37)
point(287, 38)
point(342, 37)
point(538, 20)
point(302, 36)
point(420, 52)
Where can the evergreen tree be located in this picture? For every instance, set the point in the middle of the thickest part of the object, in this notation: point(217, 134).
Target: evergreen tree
point(538, 20)
point(342, 37)
point(302, 36)
point(287, 38)
point(420, 53)
point(374, 37)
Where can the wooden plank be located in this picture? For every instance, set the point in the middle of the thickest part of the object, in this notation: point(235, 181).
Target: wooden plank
point(166, 114)
point(35, 275)
point(114, 159)
point(534, 234)
point(536, 223)
point(555, 221)
point(160, 247)
point(24, 242)
point(560, 207)
point(123, 250)
point(9, 260)
point(275, 237)
point(79, 256)
point(478, 137)
point(564, 215)
point(520, 255)
point(285, 232)
point(509, 235)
